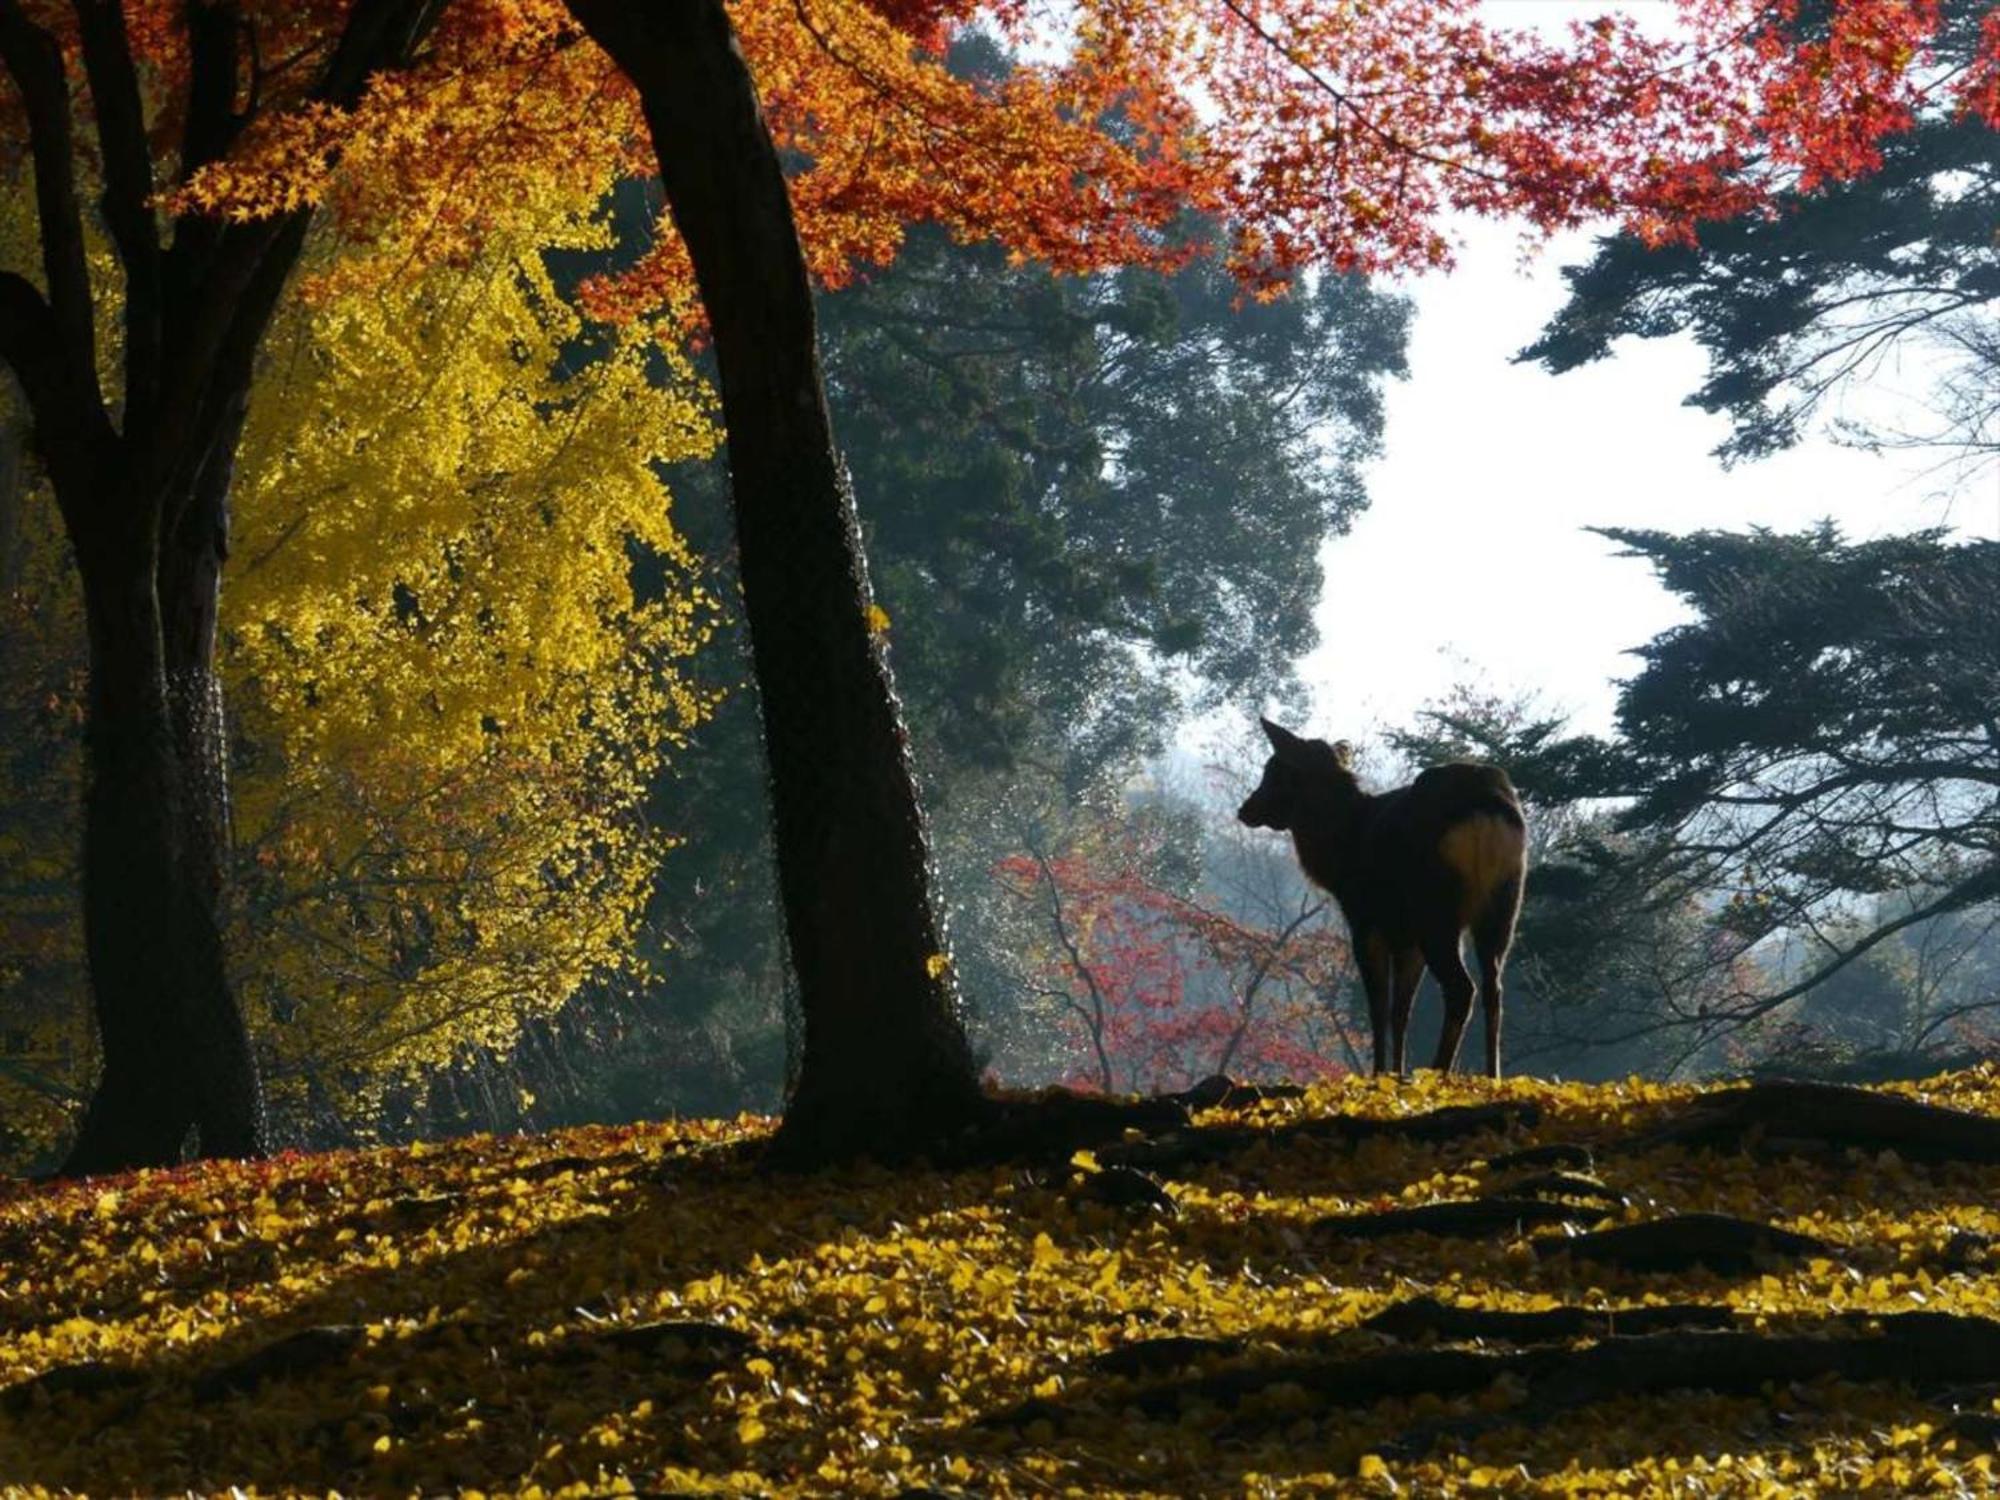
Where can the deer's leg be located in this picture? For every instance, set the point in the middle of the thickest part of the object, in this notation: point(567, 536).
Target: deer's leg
point(1448, 964)
point(1492, 936)
point(1490, 965)
point(1409, 974)
point(1372, 955)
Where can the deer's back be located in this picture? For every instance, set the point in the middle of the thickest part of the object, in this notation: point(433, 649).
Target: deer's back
point(1450, 838)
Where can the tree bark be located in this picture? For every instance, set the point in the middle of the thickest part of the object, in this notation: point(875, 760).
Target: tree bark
point(175, 1054)
point(14, 439)
point(145, 504)
point(886, 1069)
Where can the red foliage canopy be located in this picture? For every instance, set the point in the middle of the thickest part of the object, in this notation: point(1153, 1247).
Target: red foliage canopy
point(1322, 131)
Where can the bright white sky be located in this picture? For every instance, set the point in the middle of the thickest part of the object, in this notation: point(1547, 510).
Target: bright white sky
point(1472, 565)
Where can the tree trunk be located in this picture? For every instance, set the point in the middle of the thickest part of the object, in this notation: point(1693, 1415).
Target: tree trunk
point(175, 1053)
point(14, 439)
point(144, 500)
point(886, 1069)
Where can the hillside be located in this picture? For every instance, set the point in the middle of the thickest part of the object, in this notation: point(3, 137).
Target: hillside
point(603, 1310)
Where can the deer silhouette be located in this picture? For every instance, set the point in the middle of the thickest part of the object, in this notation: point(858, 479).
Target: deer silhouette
point(1412, 871)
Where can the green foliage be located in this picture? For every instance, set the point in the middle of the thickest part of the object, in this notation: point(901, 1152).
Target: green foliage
point(1095, 503)
point(1814, 759)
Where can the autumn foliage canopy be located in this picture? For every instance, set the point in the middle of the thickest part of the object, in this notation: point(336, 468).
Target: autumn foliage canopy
point(1322, 134)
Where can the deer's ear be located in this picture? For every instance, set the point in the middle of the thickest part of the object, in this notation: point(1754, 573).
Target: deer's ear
point(1287, 746)
point(1343, 755)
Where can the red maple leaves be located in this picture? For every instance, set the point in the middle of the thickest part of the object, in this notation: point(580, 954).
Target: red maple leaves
point(1321, 133)
point(1154, 989)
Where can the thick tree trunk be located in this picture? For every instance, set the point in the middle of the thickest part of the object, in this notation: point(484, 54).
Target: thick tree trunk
point(144, 499)
point(175, 1054)
point(14, 440)
point(886, 1069)
point(229, 1114)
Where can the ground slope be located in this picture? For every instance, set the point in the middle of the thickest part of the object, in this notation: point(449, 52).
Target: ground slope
point(1238, 1308)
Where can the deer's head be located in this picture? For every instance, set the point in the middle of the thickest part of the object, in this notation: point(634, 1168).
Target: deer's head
point(1299, 773)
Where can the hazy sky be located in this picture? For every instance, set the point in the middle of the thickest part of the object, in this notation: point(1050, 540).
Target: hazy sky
point(1472, 564)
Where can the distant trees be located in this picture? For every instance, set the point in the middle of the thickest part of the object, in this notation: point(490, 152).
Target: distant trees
point(1822, 737)
point(1102, 498)
point(1134, 974)
point(1812, 765)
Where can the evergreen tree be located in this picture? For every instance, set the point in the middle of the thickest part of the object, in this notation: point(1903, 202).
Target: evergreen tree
point(1814, 758)
point(1791, 307)
point(1099, 504)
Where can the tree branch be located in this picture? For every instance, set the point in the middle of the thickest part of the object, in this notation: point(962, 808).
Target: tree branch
point(34, 59)
point(128, 192)
point(71, 427)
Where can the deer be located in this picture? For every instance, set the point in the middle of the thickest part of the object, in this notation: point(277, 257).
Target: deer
point(1412, 871)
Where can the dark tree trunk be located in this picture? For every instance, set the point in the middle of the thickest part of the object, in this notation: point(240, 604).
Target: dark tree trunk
point(145, 504)
point(175, 1055)
point(886, 1069)
point(229, 1113)
point(14, 438)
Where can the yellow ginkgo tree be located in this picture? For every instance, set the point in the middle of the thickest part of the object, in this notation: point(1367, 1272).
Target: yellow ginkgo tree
point(447, 695)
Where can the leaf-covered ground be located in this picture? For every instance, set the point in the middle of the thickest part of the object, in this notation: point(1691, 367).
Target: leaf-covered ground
point(604, 1310)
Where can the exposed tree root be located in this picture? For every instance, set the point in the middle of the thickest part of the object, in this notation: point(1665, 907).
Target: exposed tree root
point(1127, 1187)
point(1793, 1116)
point(1219, 1091)
point(416, 1209)
point(1572, 1155)
point(1437, 1125)
point(86, 1378)
point(294, 1354)
point(1421, 1317)
point(1977, 1426)
point(1197, 1145)
point(1457, 1218)
point(679, 1343)
point(1565, 1185)
point(1151, 1356)
point(1925, 1350)
point(1426, 1317)
point(1680, 1241)
point(1053, 1126)
point(1966, 1250)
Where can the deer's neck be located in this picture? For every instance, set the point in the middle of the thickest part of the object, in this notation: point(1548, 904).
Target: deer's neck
point(1328, 840)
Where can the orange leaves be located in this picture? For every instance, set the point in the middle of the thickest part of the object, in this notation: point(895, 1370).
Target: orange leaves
point(1323, 132)
point(280, 165)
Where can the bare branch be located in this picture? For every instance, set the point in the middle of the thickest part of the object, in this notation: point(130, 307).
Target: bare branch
point(34, 60)
point(128, 191)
